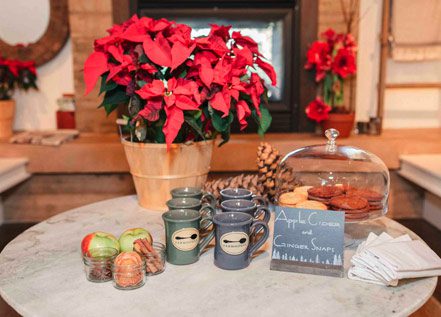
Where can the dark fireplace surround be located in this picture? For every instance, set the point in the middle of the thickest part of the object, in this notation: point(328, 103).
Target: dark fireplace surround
point(300, 22)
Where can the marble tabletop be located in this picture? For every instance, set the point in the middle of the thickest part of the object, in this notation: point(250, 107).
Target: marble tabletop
point(41, 274)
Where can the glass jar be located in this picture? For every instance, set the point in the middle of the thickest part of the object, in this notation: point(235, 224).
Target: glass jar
point(129, 276)
point(98, 263)
point(155, 261)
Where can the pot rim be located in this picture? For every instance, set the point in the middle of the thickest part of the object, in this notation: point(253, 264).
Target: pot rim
point(125, 142)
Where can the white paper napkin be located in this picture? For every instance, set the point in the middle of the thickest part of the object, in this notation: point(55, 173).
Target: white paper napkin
point(385, 260)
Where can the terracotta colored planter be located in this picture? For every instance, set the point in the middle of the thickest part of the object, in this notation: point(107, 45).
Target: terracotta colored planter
point(7, 111)
point(343, 122)
point(155, 171)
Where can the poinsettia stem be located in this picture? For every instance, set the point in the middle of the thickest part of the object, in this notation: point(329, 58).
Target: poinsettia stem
point(328, 97)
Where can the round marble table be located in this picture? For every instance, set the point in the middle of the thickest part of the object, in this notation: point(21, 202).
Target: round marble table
point(41, 274)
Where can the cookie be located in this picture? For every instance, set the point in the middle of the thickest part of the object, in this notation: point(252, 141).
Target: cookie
point(292, 198)
point(325, 191)
point(353, 211)
point(312, 204)
point(348, 202)
point(375, 206)
point(370, 195)
point(302, 190)
point(322, 200)
point(356, 217)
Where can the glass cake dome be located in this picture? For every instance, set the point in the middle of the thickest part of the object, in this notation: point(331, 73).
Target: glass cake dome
point(334, 177)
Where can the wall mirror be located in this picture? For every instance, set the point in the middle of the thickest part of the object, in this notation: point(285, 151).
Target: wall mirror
point(33, 30)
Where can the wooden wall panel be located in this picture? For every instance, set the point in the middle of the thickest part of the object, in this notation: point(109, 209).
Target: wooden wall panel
point(89, 19)
point(43, 196)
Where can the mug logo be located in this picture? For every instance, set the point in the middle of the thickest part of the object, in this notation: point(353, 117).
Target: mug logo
point(234, 243)
point(185, 239)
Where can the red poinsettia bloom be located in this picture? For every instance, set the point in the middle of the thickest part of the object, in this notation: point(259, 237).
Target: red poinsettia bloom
point(120, 72)
point(164, 53)
point(245, 41)
point(178, 95)
point(319, 58)
point(330, 36)
point(344, 63)
point(243, 112)
point(255, 90)
point(222, 100)
point(317, 110)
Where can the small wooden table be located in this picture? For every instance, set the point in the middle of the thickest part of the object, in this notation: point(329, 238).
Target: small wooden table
point(41, 274)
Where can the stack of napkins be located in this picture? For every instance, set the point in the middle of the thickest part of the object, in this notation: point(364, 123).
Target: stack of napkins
point(385, 260)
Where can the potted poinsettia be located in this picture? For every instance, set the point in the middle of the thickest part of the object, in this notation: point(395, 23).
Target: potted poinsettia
point(333, 60)
point(14, 74)
point(181, 92)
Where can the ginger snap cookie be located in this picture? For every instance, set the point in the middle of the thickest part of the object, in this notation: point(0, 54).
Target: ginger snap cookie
point(292, 198)
point(312, 204)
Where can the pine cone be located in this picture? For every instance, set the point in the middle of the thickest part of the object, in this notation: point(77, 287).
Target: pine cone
point(268, 159)
point(263, 183)
point(248, 181)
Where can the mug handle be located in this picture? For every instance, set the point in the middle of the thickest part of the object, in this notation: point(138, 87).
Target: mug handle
point(253, 230)
point(207, 239)
point(209, 197)
point(207, 212)
point(263, 210)
point(260, 201)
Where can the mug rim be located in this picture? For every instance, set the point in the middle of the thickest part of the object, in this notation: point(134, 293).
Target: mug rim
point(197, 215)
point(216, 217)
point(196, 202)
point(249, 192)
point(183, 190)
point(252, 205)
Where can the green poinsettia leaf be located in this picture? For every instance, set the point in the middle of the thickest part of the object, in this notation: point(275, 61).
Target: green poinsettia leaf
point(141, 83)
point(113, 98)
point(264, 121)
point(225, 136)
point(107, 86)
point(110, 108)
point(143, 59)
point(195, 125)
point(158, 134)
point(219, 123)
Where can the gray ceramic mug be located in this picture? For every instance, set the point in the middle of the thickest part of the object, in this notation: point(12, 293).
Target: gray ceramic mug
point(234, 232)
point(192, 204)
point(241, 193)
point(182, 232)
point(194, 192)
point(246, 206)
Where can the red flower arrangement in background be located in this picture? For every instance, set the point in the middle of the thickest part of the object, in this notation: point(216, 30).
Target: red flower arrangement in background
point(179, 88)
point(317, 110)
point(333, 60)
point(16, 74)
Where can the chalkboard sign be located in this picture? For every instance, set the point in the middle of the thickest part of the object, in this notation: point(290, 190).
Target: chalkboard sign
point(308, 241)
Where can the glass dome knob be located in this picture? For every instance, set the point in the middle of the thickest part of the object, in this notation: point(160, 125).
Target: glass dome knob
point(332, 135)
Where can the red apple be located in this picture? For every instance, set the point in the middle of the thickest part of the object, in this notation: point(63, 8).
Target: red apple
point(99, 239)
point(129, 236)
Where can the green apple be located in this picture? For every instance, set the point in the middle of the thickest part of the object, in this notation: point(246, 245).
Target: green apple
point(129, 236)
point(99, 239)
